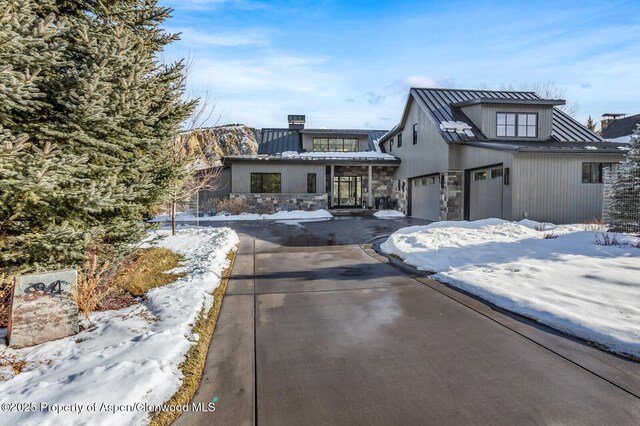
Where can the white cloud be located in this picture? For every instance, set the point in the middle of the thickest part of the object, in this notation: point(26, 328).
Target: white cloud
point(192, 37)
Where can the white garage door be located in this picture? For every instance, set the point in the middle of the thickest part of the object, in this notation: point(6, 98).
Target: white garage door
point(425, 197)
point(486, 193)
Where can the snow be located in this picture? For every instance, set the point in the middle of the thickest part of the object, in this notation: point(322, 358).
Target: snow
point(568, 282)
point(456, 126)
point(386, 214)
point(134, 354)
point(621, 139)
point(591, 148)
point(358, 154)
point(298, 215)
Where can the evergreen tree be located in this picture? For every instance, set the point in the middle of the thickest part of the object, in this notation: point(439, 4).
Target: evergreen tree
point(625, 194)
point(591, 125)
point(87, 117)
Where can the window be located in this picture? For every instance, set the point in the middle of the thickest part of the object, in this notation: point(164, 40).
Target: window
point(399, 140)
point(432, 180)
point(520, 125)
point(415, 133)
point(391, 145)
point(265, 182)
point(496, 173)
point(506, 124)
point(480, 175)
point(311, 183)
point(424, 181)
point(592, 172)
point(335, 144)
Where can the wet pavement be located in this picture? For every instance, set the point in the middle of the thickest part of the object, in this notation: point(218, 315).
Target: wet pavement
point(318, 329)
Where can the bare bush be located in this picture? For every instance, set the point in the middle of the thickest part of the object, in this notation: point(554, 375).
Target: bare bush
point(595, 225)
point(606, 239)
point(92, 287)
point(233, 205)
point(12, 361)
point(264, 209)
point(550, 236)
point(6, 290)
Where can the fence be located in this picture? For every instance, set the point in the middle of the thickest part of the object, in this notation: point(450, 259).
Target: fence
point(621, 200)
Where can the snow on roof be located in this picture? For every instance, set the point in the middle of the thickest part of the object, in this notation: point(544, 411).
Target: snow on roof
point(621, 139)
point(456, 126)
point(591, 148)
point(360, 154)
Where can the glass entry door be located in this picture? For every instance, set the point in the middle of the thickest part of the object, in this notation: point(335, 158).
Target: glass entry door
point(347, 191)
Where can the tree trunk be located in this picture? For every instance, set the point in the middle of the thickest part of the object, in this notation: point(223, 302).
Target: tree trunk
point(173, 217)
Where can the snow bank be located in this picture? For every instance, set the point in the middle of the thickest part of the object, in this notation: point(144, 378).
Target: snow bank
point(133, 355)
point(290, 215)
point(567, 282)
point(386, 214)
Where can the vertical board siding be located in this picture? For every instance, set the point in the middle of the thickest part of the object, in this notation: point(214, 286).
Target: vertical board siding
point(549, 188)
point(429, 155)
point(488, 125)
point(293, 176)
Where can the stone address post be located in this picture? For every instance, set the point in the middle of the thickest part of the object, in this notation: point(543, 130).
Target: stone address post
point(42, 308)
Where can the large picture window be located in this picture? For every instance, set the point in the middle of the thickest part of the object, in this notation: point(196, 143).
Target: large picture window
point(592, 172)
point(265, 182)
point(517, 125)
point(335, 144)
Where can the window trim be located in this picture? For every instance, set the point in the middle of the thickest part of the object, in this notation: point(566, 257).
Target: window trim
point(390, 144)
point(601, 166)
point(415, 133)
point(399, 140)
point(261, 174)
point(517, 124)
point(328, 144)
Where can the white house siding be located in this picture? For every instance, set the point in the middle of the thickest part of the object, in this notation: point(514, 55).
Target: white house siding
point(293, 176)
point(548, 187)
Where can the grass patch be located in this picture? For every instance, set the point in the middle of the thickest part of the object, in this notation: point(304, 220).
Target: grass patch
point(146, 269)
point(193, 365)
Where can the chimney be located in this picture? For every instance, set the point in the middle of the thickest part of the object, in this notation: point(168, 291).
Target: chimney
point(296, 122)
point(608, 118)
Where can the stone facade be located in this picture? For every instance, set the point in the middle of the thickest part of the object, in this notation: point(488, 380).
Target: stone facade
point(451, 198)
point(283, 202)
point(382, 182)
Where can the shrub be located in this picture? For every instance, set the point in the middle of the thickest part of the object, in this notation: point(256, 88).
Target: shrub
point(92, 286)
point(232, 205)
point(6, 288)
point(606, 239)
point(549, 236)
point(265, 209)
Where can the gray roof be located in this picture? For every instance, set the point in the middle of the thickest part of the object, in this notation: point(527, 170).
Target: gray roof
point(621, 127)
point(553, 146)
point(498, 101)
point(275, 141)
point(279, 140)
point(440, 103)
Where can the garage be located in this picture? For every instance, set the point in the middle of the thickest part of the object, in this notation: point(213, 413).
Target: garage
point(425, 197)
point(485, 193)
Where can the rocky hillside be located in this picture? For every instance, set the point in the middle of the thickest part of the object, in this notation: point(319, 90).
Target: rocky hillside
point(211, 143)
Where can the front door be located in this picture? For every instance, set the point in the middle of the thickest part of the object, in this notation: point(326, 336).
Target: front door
point(347, 191)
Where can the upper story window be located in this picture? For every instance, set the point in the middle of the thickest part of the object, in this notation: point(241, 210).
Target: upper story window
point(415, 133)
point(399, 140)
point(390, 144)
point(510, 124)
point(335, 144)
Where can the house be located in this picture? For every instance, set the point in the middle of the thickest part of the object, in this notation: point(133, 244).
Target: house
point(617, 127)
point(298, 168)
point(473, 154)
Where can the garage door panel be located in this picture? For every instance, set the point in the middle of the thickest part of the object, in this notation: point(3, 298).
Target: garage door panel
point(425, 198)
point(485, 193)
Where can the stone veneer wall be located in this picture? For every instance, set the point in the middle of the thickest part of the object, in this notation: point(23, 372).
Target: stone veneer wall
point(283, 202)
point(382, 182)
point(451, 200)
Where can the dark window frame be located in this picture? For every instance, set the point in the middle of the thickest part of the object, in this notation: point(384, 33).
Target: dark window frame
point(312, 183)
point(516, 125)
point(399, 140)
point(390, 144)
point(415, 134)
point(258, 182)
point(327, 143)
point(594, 171)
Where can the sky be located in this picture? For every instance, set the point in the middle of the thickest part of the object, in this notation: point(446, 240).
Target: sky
point(350, 64)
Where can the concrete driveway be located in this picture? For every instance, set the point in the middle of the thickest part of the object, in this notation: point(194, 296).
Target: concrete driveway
point(317, 329)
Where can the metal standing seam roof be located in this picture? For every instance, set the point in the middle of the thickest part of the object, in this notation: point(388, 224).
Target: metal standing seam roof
point(438, 103)
point(621, 127)
point(275, 141)
point(279, 140)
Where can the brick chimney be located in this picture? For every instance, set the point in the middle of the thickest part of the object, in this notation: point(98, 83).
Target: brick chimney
point(609, 118)
point(296, 122)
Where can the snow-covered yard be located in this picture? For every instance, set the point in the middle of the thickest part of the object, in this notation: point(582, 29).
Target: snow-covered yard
point(134, 354)
point(567, 282)
point(299, 215)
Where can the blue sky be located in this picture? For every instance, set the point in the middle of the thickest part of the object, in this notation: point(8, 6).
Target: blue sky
point(349, 64)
